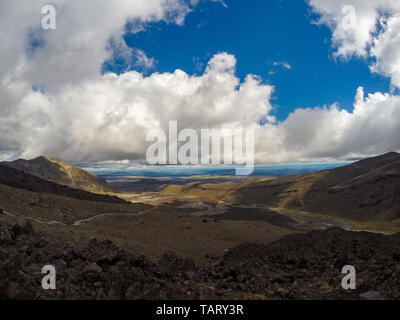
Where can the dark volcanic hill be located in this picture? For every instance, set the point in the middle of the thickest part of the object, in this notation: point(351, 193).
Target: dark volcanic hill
point(365, 190)
point(61, 173)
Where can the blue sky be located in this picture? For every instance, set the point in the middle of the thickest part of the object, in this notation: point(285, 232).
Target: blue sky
point(259, 35)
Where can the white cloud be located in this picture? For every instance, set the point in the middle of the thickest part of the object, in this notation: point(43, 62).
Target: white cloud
point(88, 34)
point(282, 64)
point(76, 50)
point(108, 118)
point(373, 127)
point(143, 61)
point(375, 33)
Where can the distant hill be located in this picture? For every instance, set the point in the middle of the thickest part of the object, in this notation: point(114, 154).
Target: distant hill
point(365, 190)
point(55, 170)
point(31, 198)
point(368, 189)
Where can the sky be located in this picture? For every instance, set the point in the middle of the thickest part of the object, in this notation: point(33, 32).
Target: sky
point(316, 81)
point(272, 39)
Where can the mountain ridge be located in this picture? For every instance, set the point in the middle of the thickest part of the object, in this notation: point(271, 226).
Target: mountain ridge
point(368, 189)
point(55, 170)
point(15, 178)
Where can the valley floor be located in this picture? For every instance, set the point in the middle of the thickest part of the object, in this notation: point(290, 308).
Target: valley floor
point(256, 238)
point(188, 249)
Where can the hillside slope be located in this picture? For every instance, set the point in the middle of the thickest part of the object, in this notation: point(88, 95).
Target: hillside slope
point(29, 197)
point(367, 190)
point(52, 169)
point(22, 180)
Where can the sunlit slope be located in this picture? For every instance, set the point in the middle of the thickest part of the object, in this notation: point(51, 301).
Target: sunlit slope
point(62, 173)
point(28, 196)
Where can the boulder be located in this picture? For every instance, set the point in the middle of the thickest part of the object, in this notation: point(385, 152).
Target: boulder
point(60, 265)
point(371, 295)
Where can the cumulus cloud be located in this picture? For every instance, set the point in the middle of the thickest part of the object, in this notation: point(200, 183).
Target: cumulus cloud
point(373, 127)
point(365, 28)
point(108, 118)
point(78, 47)
point(88, 34)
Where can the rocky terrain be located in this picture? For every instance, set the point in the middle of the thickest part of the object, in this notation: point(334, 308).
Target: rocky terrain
point(300, 266)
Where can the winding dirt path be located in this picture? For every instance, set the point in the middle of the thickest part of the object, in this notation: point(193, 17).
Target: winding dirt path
point(137, 214)
point(80, 222)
